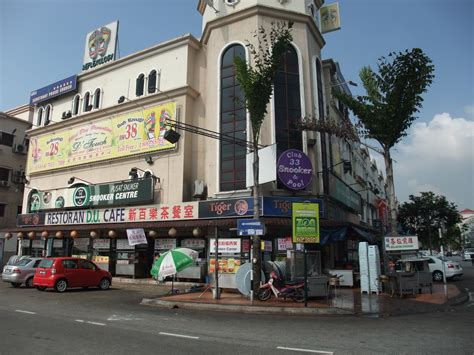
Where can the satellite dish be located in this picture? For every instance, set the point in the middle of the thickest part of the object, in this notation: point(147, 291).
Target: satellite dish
point(210, 3)
point(242, 278)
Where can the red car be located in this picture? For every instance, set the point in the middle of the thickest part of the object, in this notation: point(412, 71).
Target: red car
point(62, 273)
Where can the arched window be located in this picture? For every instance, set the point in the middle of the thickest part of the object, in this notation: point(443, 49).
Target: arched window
point(233, 122)
point(75, 105)
point(97, 98)
point(47, 114)
point(288, 103)
point(39, 118)
point(140, 85)
point(152, 82)
point(86, 106)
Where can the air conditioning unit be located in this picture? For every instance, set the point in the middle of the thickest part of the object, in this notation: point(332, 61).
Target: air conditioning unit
point(19, 148)
point(3, 183)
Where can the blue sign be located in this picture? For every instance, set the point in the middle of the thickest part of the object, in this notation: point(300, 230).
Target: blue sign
point(281, 206)
point(226, 208)
point(58, 88)
point(247, 227)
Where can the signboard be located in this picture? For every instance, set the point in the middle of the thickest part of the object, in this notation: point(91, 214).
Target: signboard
point(226, 245)
point(281, 206)
point(149, 213)
point(130, 192)
point(107, 138)
point(100, 46)
point(136, 236)
point(101, 243)
point(330, 20)
point(58, 88)
point(236, 207)
point(165, 243)
point(122, 244)
point(37, 244)
point(285, 243)
point(294, 169)
point(266, 245)
point(30, 219)
point(344, 194)
point(305, 223)
point(401, 243)
point(193, 243)
point(247, 227)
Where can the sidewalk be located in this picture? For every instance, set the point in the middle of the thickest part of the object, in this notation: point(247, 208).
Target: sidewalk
point(347, 301)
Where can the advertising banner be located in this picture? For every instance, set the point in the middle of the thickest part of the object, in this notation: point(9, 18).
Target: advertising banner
point(305, 223)
point(330, 19)
point(101, 45)
point(236, 207)
point(401, 243)
point(226, 245)
point(136, 236)
point(129, 192)
point(281, 206)
point(132, 133)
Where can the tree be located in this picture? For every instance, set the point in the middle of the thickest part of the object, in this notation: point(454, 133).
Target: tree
point(424, 214)
point(388, 110)
point(256, 82)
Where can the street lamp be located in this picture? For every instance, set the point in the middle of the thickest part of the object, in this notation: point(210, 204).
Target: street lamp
point(74, 178)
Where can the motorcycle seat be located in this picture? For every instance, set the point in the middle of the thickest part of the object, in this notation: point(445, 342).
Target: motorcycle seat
point(291, 283)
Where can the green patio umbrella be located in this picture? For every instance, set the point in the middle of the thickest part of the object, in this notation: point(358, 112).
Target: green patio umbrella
point(172, 262)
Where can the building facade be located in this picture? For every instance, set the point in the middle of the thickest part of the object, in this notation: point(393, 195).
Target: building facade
point(118, 174)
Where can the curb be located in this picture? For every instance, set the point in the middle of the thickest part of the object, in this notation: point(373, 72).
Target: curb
point(244, 309)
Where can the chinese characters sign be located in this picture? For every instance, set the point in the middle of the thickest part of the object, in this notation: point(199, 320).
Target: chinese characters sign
point(226, 245)
point(132, 133)
point(401, 243)
point(136, 236)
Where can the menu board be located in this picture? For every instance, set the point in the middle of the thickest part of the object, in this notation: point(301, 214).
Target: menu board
point(226, 266)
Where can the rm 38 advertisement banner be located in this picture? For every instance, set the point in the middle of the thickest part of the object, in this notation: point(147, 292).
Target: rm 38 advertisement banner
point(132, 133)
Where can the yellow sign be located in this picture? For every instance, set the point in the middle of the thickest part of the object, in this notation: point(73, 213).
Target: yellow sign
point(132, 133)
point(330, 20)
point(305, 218)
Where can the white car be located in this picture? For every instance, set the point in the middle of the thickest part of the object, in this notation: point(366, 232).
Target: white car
point(452, 268)
point(468, 254)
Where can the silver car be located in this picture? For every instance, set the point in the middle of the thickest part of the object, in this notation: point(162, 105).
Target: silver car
point(21, 272)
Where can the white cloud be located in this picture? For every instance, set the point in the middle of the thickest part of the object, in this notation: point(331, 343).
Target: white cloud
point(437, 156)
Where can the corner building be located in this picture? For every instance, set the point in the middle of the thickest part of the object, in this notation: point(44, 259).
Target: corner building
point(100, 168)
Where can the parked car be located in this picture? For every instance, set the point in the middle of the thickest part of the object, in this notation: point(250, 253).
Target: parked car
point(452, 268)
point(62, 273)
point(468, 254)
point(21, 272)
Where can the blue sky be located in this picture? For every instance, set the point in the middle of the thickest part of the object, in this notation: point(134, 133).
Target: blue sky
point(42, 41)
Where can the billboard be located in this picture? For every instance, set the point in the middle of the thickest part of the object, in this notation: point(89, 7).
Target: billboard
point(101, 45)
point(58, 88)
point(128, 134)
point(305, 223)
point(330, 19)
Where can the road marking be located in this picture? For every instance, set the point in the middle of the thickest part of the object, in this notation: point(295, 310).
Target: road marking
point(178, 335)
point(27, 312)
point(306, 350)
point(88, 322)
point(127, 317)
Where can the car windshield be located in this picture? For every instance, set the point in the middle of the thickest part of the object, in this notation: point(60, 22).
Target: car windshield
point(46, 263)
point(23, 262)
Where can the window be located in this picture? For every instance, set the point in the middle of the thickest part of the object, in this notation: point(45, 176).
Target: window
point(75, 105)
point(2, 209)
point(4, 175)
point(86, 264)
point(140, 84)
point(97, 98)
point(69, 264)
point(233, 122)
point(47, 114)
point(6, 139)
point(152, 82)
point(39, 117)
point(86, 106)
point(287, 103)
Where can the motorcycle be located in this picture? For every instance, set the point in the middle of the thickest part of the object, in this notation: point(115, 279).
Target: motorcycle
point(293, 290)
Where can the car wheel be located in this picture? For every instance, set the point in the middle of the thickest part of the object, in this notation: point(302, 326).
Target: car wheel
point(15, 284)
point(104, 284)
point(437, 276)
point(61, 285)
point(29, 282)
point(41, 288)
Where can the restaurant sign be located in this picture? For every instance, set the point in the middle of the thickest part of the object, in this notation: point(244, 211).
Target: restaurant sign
point(129, 192)
point(401, 243)
point(151, 213)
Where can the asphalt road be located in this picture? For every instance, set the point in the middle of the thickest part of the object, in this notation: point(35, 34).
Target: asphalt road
point(113, 322)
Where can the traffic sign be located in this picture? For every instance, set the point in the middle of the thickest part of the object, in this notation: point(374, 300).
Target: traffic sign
point(247, 227)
